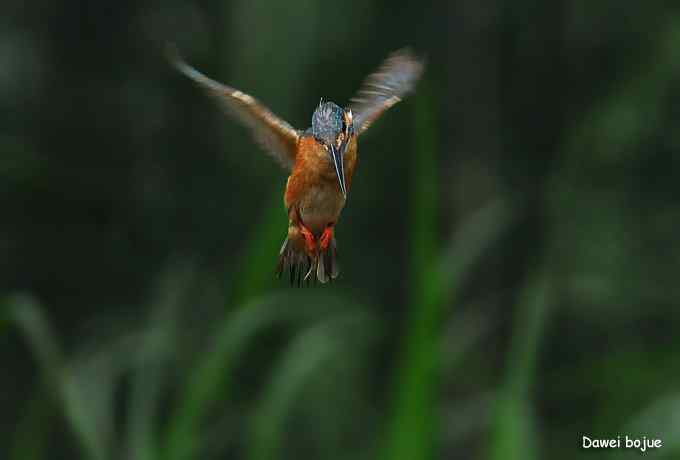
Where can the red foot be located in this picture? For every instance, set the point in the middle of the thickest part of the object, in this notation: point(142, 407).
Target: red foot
point(326, 238)
point(310, 241)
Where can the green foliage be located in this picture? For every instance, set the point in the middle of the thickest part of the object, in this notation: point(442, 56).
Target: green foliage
point(514, 430)
point(208, 383)
point(312, 352)
point(414, 421)
point(82, 389)
point(509, 250)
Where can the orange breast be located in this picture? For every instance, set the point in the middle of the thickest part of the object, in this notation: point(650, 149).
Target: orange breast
point(313, 186)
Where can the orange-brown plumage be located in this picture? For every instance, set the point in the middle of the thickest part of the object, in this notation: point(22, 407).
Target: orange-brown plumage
point(314, 203)
point(321, 159)
point(312, 186)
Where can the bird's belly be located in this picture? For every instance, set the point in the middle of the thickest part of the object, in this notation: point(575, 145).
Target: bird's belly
point(321, 206)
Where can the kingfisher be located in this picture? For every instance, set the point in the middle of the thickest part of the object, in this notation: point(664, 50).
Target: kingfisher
point(320, 159)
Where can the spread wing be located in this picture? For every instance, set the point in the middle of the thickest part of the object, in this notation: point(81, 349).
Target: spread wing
point(395, 78)
point(274, 134)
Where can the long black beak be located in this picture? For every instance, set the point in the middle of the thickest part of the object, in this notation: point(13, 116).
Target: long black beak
point(337, 156)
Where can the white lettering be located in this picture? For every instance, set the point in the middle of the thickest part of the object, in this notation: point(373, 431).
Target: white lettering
point(643, 444)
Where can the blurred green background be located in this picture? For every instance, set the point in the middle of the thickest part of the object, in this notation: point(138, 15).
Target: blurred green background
point(509, 251)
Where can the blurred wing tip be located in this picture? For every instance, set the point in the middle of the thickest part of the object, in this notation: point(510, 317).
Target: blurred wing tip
point(406, 54)
point(407, 63)
point(175, 59)
point(273, 133)
point(396, 77)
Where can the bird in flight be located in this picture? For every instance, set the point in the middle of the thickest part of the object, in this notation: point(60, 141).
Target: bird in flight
point(320, 159)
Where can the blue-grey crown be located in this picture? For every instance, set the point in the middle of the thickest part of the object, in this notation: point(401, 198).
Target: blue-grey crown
point(327, 122)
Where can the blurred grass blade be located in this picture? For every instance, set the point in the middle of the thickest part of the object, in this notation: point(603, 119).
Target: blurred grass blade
point(437, 274)
point(475, 236)
point(461, 337)
point(413, 426)
point(87, 396)
point(467, 419)
point(210, 382)
point(629, 115)
point(90, 389)
point(146, 391)
point(659, 420)
point(310, 354)
point(148, 380)
point(28, 316)
point(513, 434)
point(513, 429)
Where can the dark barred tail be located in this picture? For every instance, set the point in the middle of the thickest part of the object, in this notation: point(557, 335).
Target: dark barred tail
point(305, 269)
point(327, 263)
point(295, 262)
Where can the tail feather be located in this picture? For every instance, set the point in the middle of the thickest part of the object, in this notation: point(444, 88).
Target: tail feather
point(305, 269)
point(328, 268)
point(295, 262)
point(321, 274)
point(334, 266)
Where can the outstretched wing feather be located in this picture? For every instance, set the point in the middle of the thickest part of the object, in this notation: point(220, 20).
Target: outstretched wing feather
point(274, 134)
point(395, 78)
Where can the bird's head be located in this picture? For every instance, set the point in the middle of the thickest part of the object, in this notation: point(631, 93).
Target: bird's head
point(332, 126)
